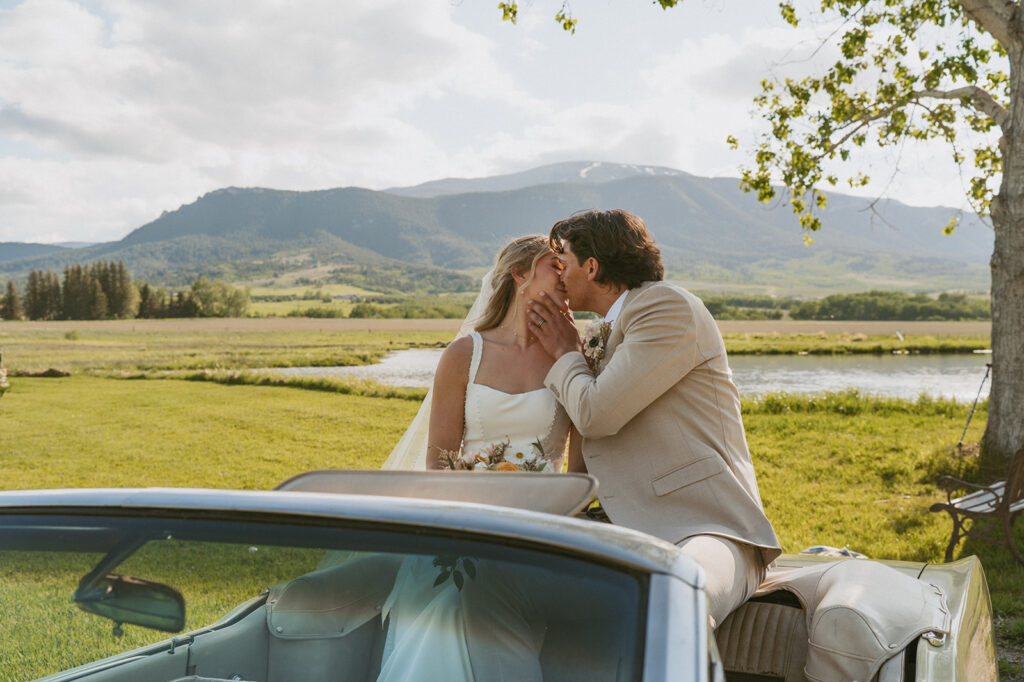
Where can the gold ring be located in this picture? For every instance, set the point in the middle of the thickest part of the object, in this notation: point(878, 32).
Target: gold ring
point(541, 323)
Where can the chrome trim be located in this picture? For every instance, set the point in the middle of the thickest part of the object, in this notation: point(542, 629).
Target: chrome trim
point(677, 631)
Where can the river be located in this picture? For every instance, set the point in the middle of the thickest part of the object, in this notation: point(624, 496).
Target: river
point(901, 376)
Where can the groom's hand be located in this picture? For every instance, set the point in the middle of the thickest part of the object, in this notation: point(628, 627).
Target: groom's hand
point(553, 326)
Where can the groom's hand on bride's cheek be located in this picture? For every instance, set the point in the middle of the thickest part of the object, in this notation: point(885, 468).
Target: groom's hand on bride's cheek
point(553, 326)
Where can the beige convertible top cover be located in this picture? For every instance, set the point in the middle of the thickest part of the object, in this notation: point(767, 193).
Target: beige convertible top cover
point(561, 494)
point(860, 613)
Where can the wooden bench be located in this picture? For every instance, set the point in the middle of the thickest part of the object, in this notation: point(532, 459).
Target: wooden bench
point(987, 513)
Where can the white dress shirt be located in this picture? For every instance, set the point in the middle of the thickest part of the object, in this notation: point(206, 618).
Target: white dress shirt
point(616, 308)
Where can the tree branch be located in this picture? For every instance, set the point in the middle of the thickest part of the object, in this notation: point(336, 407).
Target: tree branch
point(983, 101)
point(995, 17)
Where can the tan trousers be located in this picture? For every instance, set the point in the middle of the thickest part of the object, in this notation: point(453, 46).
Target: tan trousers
point(732, 571)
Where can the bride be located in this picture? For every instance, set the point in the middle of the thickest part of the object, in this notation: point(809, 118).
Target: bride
point(488, 408)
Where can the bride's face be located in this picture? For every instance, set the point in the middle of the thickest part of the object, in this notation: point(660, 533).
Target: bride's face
point(547, 277)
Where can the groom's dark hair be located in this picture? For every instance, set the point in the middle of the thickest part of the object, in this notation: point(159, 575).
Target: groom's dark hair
point(617, 239)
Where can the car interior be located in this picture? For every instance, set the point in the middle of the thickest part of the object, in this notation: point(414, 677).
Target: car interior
point(324, 624)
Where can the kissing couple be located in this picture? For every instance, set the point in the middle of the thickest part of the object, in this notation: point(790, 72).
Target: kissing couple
point(644, 402)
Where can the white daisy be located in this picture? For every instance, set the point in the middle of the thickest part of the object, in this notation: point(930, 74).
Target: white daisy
point(520, 455)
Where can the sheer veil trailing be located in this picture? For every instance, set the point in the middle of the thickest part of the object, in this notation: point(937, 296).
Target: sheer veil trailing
point(411, 452)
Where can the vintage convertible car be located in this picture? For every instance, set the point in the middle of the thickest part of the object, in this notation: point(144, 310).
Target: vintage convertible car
point(293, 585)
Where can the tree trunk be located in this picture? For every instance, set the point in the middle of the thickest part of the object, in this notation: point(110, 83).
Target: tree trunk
point(1004, 432)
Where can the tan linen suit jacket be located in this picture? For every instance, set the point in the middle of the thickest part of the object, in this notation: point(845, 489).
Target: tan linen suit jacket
point(661, 423)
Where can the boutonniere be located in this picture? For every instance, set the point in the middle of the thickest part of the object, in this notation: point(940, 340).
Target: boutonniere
point(594, 339)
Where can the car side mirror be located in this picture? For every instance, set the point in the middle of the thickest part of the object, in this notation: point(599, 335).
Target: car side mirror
point(127, 599)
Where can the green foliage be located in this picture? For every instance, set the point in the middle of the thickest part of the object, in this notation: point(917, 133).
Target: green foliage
point(749, 307)
point(850, 403)
point(401, 279)
point(1008, 670)
point(358, 387)
point(847, 343)
point(103, 291)
point(1013, 630)
point(98, 291)
point(907, 71)
point(318, 312)
point(892, 305)
point(43, 296)
point(509, 11)
point(411, 309)
point(217, 298)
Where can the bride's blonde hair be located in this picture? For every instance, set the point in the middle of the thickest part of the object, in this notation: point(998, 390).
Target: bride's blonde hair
point(519, 256)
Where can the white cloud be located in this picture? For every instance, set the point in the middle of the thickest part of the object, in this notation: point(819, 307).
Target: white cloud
point(164, 99)
point(112, 111)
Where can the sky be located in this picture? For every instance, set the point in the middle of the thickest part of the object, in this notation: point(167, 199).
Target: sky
point(114, 111)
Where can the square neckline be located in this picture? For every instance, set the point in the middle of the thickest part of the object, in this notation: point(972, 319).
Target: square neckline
point(474, 365)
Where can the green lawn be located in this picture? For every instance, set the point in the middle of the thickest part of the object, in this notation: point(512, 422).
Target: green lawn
point(842, 470)
point(94, 431)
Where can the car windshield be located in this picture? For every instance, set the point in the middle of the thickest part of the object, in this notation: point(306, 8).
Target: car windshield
point(279, 598)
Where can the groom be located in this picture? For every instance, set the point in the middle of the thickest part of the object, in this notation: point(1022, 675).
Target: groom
point(654, 400)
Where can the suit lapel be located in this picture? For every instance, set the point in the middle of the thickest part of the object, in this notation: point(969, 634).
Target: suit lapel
point(617, 334)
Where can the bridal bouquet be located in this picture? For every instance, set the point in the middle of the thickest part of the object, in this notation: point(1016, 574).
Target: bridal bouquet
point(502, 456)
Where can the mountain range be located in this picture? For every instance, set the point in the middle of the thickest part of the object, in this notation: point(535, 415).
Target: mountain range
point(712, 235)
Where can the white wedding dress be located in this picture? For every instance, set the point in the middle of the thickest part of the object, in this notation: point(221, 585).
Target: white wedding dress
point(426, 637)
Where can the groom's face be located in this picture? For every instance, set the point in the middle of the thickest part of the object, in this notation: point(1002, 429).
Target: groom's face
point(575, 278)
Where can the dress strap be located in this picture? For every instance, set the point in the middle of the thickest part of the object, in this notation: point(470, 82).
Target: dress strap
point(478, 351)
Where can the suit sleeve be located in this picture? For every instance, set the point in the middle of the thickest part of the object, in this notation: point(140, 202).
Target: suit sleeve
point(660, 346)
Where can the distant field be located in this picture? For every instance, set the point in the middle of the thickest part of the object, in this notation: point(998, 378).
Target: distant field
point(150, 346)
point(870, 328)
point(433, 325)
point(284, 308)
point(303, 291)
point(128, 348)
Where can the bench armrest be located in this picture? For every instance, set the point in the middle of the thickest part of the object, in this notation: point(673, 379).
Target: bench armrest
point(949, 484)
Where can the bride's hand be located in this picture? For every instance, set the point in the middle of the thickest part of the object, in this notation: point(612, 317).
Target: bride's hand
point(553, 326)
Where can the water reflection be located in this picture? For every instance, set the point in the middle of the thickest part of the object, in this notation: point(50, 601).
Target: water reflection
point(902, 376)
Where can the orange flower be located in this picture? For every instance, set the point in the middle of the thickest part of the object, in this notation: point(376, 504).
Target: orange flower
point(505, 466)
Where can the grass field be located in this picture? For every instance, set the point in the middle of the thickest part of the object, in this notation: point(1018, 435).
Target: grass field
point(148, 346)
point(163, 345)
point(844, 469)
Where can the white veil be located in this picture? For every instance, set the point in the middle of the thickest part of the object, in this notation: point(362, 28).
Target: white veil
point(411, 452)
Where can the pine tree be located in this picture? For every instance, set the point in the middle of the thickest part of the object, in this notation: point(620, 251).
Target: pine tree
point(34, 296)
point(77, 292)
point(152, 302)
point(52, 296)
point(11, 303)
point(127, 295)
point(97, 302)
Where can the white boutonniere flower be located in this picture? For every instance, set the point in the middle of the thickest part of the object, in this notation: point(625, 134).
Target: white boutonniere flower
point(594, 339)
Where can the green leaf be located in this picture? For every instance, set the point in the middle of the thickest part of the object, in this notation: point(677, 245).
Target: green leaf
point(788, 13)
point(509, 10)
